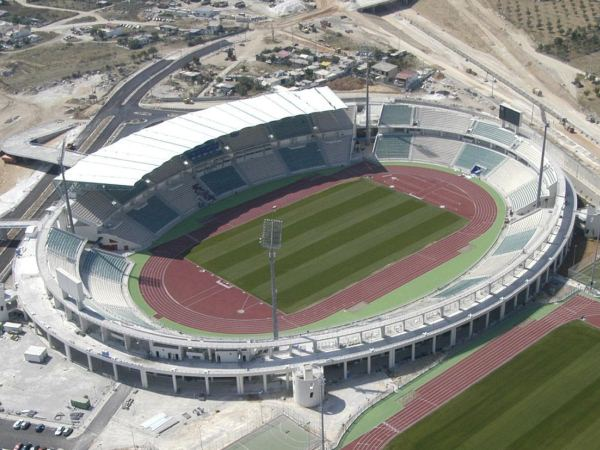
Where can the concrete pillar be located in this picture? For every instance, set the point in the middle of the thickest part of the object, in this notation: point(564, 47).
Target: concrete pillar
point(144, 377)
point(83, 324)
point(502, 310)
point(240, 384)
point(90, 365)
point(345, 370)
point(207, 385)
point(391, 358)
point(270, 352)
point(382, 332)
point(115, 371)
point(287, 380)
point(470, 328)
point(68, 353)
point(487, 320)
point(265, 387)
point(291, 350)
point(515, 302)
point(452, 337)
point(127, 342)
point(433, 344)
point(175, 387)
point(369, 365)
point(413, 351)
point(104, 334)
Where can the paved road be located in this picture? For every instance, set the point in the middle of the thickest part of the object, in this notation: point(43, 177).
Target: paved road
point(103, 417)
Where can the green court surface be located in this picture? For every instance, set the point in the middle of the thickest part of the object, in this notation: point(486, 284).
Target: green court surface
point(281, 433)
point(546, 397)
point(330, 240)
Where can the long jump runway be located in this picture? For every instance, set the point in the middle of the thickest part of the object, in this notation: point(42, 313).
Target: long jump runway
point(185, 293)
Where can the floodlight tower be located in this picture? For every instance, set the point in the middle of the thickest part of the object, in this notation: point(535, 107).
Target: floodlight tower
point(61, 163)
point(271, 240)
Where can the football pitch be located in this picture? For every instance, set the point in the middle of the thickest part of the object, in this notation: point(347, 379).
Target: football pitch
point(547, 397)
point(330, 240)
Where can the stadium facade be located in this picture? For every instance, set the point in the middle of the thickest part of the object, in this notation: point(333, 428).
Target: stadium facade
point(75, 285)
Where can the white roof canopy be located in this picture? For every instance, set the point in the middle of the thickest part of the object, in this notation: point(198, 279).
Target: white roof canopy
point(126, 161)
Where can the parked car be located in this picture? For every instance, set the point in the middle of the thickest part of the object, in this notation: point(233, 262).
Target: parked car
point(67, 432)
point(41, 427)
point(17, 424)
point(25, 425)
point(18, 446)
point(59, 430)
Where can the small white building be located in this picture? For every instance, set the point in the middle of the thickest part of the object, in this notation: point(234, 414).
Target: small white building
point(36, 354)
point(13, 328)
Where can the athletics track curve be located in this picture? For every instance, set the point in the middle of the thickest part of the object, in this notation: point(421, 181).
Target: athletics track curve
point(186, 294)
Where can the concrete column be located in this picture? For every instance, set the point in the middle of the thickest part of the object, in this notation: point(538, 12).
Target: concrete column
point(270, 352)
point(537, 284)
point(175, 387)
point(104, 334)
point(291, 350)
point(471, 328)
point(83, 324)
point(207, 385)
point(413, 351)
point(240, 384)
point(502, 310)
point(345, 370)
point(287, 380)
point(265, 387)
point(115, 371)
point(369, 365)
point(69, 314)
point(433, 344)
point(515, 301)
point(68, 353)
point(144, 377)
point(382, 332)
point(391, 358)
point(90, 365)
point(452, 337)
point(127, 342)
point(487, 320)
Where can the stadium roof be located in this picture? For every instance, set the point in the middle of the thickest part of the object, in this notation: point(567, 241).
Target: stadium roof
point(126, 161)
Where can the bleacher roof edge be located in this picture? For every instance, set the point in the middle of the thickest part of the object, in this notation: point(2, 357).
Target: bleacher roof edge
point(128, 160)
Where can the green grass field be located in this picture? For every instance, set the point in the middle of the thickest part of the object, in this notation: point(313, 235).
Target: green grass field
point(331, 240)
point(547, 397)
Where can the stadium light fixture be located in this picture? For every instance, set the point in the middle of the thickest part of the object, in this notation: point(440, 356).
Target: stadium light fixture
point(65, 186)
point(271, 240)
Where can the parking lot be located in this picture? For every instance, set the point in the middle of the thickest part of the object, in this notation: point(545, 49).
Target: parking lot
point(46, 389)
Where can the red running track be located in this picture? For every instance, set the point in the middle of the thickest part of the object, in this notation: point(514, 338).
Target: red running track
point(185, 293)
point(476, 366)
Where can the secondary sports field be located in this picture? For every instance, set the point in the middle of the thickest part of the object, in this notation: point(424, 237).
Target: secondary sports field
point(330, 240)
point(546, 397)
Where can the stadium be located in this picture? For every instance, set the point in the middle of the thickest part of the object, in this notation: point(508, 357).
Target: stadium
point(390, 252)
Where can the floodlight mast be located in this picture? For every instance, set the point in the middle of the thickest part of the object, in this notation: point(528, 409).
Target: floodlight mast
point(271, 240)
point(65, 186)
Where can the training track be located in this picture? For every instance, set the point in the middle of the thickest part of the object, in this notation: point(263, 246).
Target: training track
point(186, 294)
point(478, 365)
